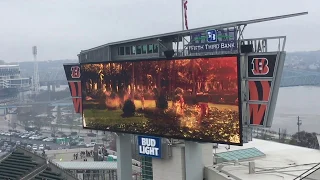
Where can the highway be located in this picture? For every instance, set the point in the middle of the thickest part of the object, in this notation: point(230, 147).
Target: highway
point(13, 103)
point(29, 141)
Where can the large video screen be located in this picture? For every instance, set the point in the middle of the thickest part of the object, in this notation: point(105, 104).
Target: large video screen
point(193, 99)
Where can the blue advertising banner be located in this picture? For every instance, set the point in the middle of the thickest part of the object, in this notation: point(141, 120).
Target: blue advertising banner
point(214, 40)
point(149, 146)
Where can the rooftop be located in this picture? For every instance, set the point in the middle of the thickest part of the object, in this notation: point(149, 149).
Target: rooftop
point(9, 65)
point(186, 32)
point(64, 158)
point(280, 161)
point(89, 165)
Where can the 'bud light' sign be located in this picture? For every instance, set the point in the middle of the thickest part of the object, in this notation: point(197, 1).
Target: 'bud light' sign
point(149, 146)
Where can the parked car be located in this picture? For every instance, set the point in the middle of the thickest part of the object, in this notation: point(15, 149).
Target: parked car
point(48, 139)
point(74, 133)
point(81, 144)
point(90, 144)
point(91, 134)
point(47, 147)
point(41, 147)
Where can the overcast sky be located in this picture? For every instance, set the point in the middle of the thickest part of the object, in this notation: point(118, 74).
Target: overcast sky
point(61, 28)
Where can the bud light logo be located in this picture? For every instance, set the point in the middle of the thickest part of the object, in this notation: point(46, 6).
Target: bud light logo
point(149, 146)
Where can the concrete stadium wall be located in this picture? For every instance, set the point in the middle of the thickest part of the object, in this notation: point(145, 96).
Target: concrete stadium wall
point(211, 173)
point(55, 168)
point(173, 168)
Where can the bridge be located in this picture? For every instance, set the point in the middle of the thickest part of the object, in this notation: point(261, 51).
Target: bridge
point(56, 77)
point(62, 103)
point(290, 77)
point(296, 77)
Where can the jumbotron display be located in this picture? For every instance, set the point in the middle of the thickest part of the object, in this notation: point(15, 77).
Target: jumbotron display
point(194, 99)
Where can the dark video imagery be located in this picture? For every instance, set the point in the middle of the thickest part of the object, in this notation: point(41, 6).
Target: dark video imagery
point(195, 99)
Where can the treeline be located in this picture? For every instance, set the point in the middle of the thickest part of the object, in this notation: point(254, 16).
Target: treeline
point(302, 138)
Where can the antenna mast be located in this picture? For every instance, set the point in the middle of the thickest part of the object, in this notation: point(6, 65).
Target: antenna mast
point(35, 82)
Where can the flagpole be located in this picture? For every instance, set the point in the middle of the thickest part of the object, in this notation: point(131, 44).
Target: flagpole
point(182, 23)
point(182, 14)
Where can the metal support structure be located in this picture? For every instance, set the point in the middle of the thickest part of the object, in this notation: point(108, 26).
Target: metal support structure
point(193, 160)
point(240, 31)
point(124, 159)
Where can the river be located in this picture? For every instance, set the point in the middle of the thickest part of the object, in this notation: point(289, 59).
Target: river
point(298, 101)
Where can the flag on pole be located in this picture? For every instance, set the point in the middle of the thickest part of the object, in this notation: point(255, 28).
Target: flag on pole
point(185, 8)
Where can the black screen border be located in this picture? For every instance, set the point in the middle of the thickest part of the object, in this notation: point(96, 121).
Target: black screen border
point(179, 58)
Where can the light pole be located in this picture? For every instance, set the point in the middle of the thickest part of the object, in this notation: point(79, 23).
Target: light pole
point(9, 124)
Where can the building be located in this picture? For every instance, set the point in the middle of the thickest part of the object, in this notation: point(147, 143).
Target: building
point(187, 160)
point(90, 169)
point(11, 82)
point(264, 160)
point(259, 159)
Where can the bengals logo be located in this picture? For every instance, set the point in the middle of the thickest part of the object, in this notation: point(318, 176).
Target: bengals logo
point(260, 66)
point(75, 72)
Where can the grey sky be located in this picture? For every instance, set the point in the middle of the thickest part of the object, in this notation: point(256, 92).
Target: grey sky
point(62, 28)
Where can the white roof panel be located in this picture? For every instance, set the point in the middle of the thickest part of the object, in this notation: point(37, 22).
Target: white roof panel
point(89, 165)
point(281, 161)
point(93, 165)
point(225, 25)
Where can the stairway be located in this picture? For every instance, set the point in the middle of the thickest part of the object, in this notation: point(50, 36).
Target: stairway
point(17, 165)
point(48, 174)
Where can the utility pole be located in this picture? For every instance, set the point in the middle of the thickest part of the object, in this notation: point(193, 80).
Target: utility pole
point(299, 123)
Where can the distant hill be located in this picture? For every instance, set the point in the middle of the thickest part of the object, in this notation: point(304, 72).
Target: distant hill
point(48, 70)
point(54, 68)
point(303, 60)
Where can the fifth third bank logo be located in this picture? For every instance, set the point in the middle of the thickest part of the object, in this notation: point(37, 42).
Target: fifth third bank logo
point(212, 36)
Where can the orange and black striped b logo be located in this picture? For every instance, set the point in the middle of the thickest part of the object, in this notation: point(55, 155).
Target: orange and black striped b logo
point(258, 91)
point(73, 76)
point(76, 93)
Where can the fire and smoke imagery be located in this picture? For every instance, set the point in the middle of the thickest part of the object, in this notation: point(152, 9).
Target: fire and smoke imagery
point(194, 99)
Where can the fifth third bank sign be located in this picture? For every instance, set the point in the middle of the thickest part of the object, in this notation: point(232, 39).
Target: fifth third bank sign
point(149, 146)
point(213, 41)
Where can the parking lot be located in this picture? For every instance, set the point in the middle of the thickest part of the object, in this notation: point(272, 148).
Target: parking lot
point(61, 141)
point(23, 141)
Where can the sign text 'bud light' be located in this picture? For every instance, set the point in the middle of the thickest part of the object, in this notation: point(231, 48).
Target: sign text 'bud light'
point(149, 146)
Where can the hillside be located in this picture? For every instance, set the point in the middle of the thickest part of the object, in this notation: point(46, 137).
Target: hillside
point(48, 70)
point(54, 69)
point(309, 60)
